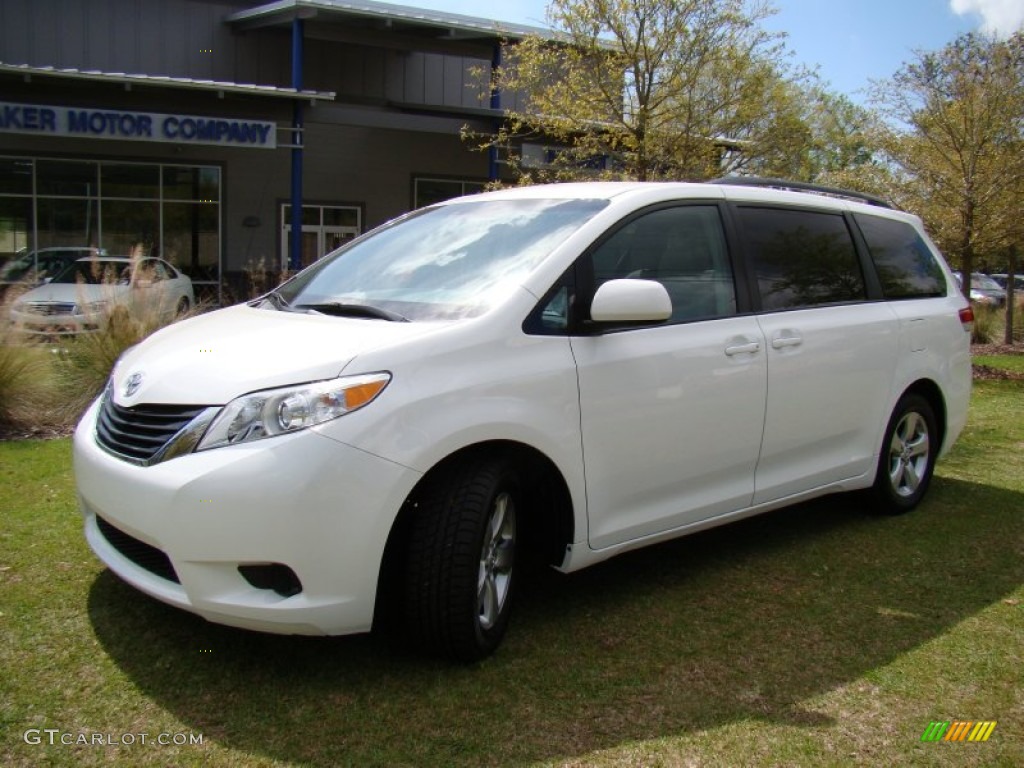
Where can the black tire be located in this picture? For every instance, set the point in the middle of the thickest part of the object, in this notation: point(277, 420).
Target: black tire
point(907, 457)
point(182, 308)
point(463, 534)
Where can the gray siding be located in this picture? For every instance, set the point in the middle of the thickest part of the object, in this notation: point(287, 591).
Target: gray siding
point(368, 167)
point(188, 38)
point(384, 75)
point(184, 38)
point(376, 166)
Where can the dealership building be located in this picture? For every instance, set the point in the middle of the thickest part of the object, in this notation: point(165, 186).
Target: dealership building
point(233, 138)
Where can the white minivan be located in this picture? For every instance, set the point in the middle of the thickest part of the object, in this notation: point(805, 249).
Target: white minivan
point(562, 372)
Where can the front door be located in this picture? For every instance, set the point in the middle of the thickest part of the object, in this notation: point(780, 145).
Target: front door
point(672, 415)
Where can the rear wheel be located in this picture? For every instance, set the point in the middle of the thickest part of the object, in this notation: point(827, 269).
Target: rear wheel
point(461, 569)
point(907, 458)
point(182, 308)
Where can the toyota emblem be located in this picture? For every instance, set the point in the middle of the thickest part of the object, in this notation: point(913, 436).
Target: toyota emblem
point(132, 385)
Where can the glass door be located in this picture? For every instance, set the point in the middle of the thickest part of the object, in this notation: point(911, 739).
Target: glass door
point(324, 228)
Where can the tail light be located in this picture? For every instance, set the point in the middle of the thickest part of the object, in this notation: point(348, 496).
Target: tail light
point(967, 319)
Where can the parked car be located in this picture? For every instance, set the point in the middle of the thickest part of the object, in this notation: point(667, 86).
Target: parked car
point(559, 373)
point(32, 268)
point(1003, 281)
point(82, 296)
point(984, 290)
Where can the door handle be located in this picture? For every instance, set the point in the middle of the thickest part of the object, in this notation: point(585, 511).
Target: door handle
point(742, 349)
point(786, 341)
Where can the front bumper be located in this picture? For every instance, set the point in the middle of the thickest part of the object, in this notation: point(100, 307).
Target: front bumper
point(317, 506)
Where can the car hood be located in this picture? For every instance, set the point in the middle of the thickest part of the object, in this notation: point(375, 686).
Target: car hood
point(213, 358)
point(72, 293)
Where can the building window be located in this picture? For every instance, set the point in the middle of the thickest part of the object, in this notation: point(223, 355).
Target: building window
point(128, 209)
point(324, 228)
point(429, 191)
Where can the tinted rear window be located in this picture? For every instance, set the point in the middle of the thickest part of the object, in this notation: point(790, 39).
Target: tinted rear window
point(906, 266)
point(801, 258)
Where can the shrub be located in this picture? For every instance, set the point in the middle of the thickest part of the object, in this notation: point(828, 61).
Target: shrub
point(26, 378)
point(26, 385)
point(50, 382)
point(258, 277)
point(988, 325)
point(85, 360)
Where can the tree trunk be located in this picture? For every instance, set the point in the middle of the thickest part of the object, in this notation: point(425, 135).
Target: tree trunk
point(967, 247)
point(1011, 276)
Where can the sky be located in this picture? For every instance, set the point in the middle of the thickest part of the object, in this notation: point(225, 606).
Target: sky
point(849, 42)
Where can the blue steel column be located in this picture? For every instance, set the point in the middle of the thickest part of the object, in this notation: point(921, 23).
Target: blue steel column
point(492, 153)
point(296, 238)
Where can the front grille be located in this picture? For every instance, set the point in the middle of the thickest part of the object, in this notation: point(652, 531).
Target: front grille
point(139, 432)
point(49, 308)
point(139, 552)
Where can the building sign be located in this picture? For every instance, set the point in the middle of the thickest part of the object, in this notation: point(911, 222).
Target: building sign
point(76, 122)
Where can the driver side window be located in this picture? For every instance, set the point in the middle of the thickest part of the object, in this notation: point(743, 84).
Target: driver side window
point(684, 249)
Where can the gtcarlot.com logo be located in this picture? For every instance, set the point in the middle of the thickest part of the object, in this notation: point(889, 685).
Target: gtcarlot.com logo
point(959, 730)
point(55, 737)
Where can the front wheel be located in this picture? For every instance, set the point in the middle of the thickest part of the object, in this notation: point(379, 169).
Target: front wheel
point(462, 559)
point(907, 458)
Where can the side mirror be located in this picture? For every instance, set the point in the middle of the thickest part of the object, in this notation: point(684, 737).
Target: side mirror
point(631, 301)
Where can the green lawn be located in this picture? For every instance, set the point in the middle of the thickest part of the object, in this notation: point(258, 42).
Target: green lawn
point(818, 635)
point(1013, 363)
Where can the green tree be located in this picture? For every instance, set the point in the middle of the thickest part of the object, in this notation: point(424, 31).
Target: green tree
point(668, 89)
point(840, 137)
point(954, 138)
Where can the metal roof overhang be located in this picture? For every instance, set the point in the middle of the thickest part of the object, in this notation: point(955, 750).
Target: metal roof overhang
point(399, 19)
point(163, 81)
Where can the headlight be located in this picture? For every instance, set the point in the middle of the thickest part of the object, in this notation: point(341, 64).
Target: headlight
point(289, 409)
point(93, 307)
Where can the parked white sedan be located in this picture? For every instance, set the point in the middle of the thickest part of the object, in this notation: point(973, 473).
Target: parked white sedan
point(82, 296)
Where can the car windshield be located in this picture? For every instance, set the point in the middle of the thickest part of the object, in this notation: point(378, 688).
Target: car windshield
point(446, 262)
point(94, 272)
point(984, 282)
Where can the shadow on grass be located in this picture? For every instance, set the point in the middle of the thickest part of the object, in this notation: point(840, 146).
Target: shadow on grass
point(741, 622)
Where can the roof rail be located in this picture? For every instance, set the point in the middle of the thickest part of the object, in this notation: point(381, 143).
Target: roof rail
point(803, 186)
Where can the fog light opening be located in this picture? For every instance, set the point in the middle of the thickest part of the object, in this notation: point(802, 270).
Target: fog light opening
point(274, 576)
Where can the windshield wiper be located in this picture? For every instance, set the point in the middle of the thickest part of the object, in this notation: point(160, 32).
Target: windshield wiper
point(338, 309)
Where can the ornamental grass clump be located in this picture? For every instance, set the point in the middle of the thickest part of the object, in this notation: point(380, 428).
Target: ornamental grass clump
point(86, 360)
point(26, 385)
point(988, 325)
point(27, 381)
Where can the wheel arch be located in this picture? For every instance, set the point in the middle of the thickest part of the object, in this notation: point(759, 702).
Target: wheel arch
point(549, 522)
point(931, 392)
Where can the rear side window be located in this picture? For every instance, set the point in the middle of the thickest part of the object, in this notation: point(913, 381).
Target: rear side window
point(906, 266)
point(801, 258)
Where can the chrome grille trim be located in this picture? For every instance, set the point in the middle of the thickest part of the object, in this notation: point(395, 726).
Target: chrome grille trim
point(150, 433)
point(49, 308)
